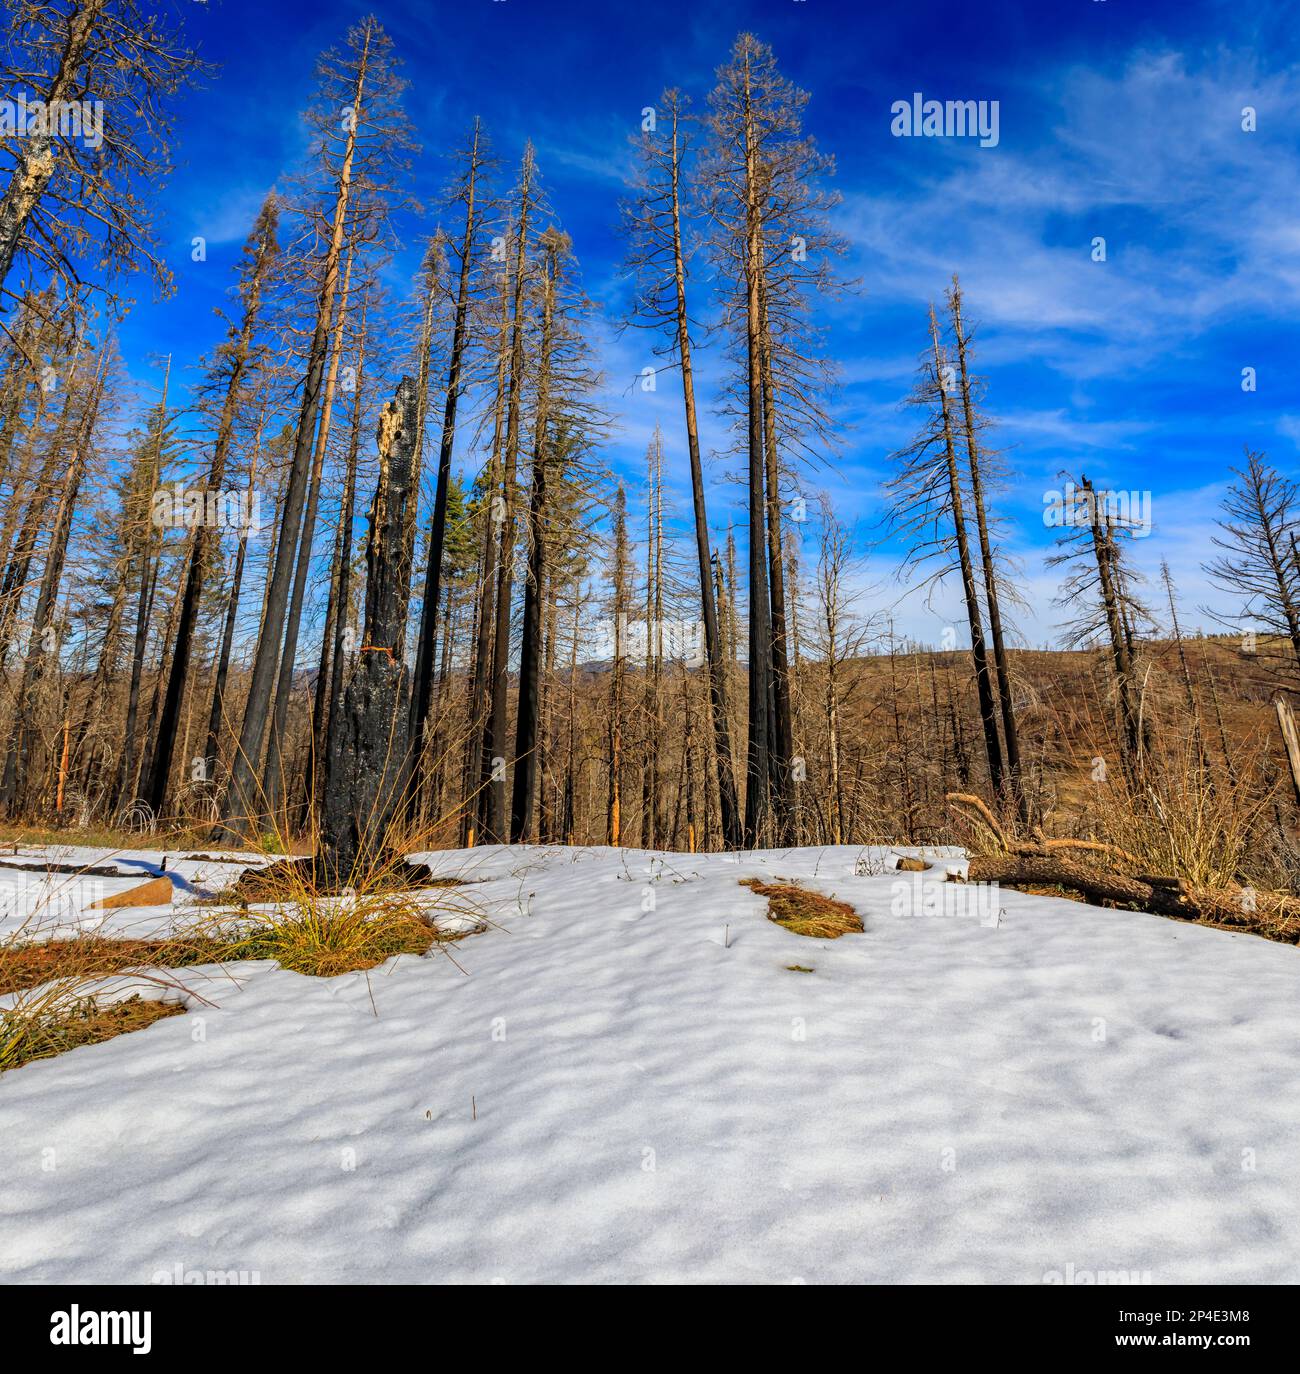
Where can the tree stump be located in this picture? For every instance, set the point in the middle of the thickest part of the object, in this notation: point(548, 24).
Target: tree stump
point(365, 762)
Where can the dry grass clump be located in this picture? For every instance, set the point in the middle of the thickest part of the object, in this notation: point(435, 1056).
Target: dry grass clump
point(325, 937)
point(309, 924)
point(43, 1026)
point(53, 987)
point(1192, 820)
point(31, 963)
point(803, 912)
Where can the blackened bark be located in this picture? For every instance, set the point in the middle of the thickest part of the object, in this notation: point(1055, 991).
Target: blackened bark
point(366, 753)
point(422, 686)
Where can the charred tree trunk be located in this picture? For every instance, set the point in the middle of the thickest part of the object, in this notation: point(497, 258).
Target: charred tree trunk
point(527, 739)
point(495, 825)
point(731, 827)
point(978, 652)
point(422, 682)
point(366, 752)
point(191, 597)
point(241, 806)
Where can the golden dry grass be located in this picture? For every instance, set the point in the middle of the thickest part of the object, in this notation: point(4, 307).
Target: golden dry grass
point(803, 912)
point(30, 964)
point(27, 1038)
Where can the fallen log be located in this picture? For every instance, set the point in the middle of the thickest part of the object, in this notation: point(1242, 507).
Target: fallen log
point(1272, 914)
point(1045, 862)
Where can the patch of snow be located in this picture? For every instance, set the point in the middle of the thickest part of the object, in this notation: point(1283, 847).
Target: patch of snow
point(626, 1082)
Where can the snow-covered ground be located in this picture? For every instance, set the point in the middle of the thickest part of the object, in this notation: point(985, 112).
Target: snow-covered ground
point(622, 1079)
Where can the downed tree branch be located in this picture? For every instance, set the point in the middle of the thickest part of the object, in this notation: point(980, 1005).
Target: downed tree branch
point(979, 805)
point(1272, 914)
point(1020, 863)
point(1094, 846)
point(1039, 844)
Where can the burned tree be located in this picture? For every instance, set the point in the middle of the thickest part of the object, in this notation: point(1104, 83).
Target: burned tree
point(71, 200)
point(1258, 563)
point(366, 752)
point(929, 504)
point(237, 361)
point(1102, 582)
point(357, 157)
point(659, 260)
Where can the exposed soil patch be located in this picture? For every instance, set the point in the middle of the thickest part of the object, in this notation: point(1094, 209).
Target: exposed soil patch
point(99, 956)
point(74, 870)
point(289, 878)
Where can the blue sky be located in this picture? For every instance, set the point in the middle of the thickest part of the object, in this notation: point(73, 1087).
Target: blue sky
point(1116, 121)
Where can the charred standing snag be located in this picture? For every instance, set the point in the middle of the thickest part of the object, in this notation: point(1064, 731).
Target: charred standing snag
point(366, 752)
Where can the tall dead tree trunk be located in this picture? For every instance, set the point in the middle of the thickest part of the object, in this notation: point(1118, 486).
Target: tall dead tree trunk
point(495, 825)
point(1006, 702)
point(618, 673)
point(477, 766)
point(730, 811)
point(329, 679)
point(979, 654)
point(422, 681)
point(527, 734)
point(273, 776)
point(782, 727)
point(366, 752)
point(1121, 655)
point(260, 254)
point(757, 765)
point(241, 807)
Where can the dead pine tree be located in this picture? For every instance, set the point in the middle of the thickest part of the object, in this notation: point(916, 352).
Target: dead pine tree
point(658, 260)
point(773, 247)
point(977, 463)
point(237, 364)
point(491, 515)
point(652, 699)
point(492, 788)
point(468, 191)
point(928, 505)
point(1102, 584)
point(739, 180)
point(618, 670)
point(273, 775)
point(331, 672)
point(1256, 564)
point(554, 248)
point(366, 753)
point(362, 81)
